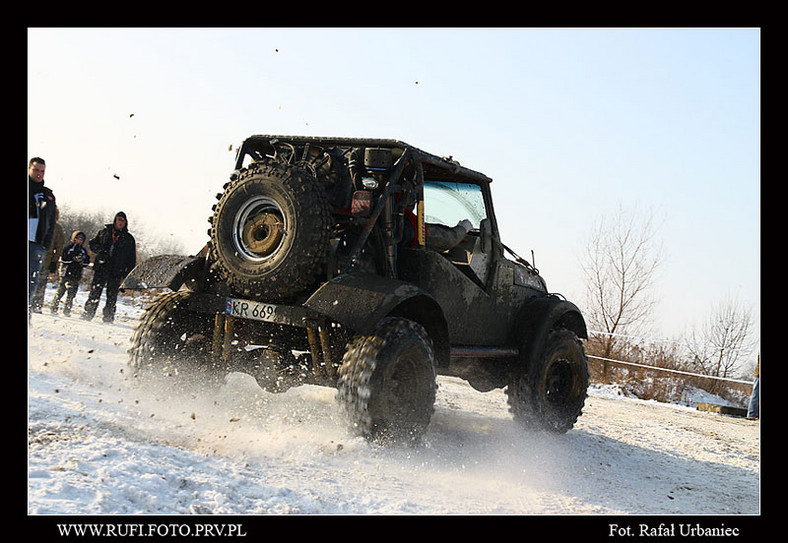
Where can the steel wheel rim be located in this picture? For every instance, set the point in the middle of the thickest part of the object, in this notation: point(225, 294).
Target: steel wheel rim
point(259, 229)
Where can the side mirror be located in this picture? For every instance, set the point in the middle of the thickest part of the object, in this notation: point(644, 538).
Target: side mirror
point(485, 236)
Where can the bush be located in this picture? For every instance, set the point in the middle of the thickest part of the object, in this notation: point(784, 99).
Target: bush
point(651, 383)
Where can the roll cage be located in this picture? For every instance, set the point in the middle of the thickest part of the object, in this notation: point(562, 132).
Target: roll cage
point(399, 171)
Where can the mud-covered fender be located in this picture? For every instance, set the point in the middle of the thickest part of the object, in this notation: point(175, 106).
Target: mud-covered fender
point(164, 271)
point(359, 301)
point(540, 315)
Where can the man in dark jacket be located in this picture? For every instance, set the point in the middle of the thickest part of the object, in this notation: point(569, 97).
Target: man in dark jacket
point(116, 255)
point(41, 224)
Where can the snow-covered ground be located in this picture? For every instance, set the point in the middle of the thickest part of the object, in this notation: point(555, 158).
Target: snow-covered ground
point(98, 445)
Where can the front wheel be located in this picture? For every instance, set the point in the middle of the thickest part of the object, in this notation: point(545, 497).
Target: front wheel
point(550, 393)
point(387, 382)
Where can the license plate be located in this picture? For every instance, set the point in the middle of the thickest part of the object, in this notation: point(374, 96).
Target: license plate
point(247, 309)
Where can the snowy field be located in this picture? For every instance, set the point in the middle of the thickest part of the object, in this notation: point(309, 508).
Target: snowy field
point(98, 445)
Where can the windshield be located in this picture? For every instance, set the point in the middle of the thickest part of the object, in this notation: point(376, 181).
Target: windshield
point(448, 203)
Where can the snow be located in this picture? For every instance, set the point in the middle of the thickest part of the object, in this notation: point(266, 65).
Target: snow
point(100, 445)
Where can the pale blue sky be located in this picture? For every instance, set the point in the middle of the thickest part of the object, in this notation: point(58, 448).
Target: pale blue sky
point(570, 123)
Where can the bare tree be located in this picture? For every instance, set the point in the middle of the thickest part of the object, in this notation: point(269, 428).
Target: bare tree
point(717, 346)
point(620, 265)
point(89, 222)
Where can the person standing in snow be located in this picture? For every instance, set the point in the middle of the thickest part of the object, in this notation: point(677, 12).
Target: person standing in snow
point(50, 264)
point(73, 260)
point(116, 255)
point(753, 409)
point(41, 222)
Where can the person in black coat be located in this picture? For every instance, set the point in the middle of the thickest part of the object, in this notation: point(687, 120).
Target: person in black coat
point(73, 260)
point(116, 255)
point(41, 224)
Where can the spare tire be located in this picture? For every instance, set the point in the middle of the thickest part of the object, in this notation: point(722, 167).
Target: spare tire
point(270, 231)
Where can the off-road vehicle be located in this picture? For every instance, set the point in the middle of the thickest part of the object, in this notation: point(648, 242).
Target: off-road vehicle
point(368, 265)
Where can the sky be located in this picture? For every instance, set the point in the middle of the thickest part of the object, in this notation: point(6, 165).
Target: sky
point(572, 124)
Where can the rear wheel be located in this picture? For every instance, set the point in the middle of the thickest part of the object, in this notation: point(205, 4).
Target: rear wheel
point(387, 382)
point(170, 341)
point(270, 231)
point(549, 391)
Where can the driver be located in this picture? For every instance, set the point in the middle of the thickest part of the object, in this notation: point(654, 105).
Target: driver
point(443, 238)
point(438, 237)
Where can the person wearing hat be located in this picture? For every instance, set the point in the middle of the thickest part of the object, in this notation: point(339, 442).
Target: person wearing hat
point(116, 255)
point(72, 261)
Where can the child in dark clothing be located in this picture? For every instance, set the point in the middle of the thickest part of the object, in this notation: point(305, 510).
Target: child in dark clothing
point(72, 261)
